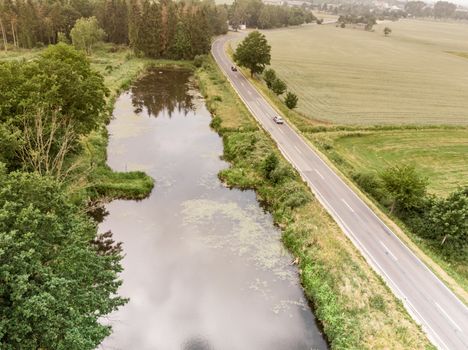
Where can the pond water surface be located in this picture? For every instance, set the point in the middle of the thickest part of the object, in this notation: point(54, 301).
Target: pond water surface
point(204, 267)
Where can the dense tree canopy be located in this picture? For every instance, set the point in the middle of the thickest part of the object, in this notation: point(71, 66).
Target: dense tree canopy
point(269, 75)
point(446, 222)
point(85, 33)
point(253, 52)
point(46, 105)
point(405, 186)
point(256, 14)
point(149, 26)
point(444, 9)
point(291, 100)
point(55, 283)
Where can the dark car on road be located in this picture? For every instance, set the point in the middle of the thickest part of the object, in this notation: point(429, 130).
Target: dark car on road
point(278, 120)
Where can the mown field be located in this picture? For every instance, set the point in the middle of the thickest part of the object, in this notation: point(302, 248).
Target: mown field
point(438, 154)
point(350, 76)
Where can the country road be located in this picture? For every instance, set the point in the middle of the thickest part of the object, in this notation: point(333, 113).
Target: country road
point(442, 315)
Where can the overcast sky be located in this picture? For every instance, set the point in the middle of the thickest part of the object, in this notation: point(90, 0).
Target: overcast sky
point(461, 2)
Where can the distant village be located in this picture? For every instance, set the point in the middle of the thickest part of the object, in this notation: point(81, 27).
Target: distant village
point(409, 8)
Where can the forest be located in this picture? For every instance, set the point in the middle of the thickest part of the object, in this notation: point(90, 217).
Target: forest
point(158, 29)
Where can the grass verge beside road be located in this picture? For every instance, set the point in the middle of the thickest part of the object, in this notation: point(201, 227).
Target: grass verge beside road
point(355, 307)
point(438, 151)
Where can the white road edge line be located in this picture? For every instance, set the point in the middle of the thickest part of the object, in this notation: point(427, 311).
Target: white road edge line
point(373, 262)
point(388, 251)
point(349, 207)
point(447, 316)
point(412, 310)
point(419, 261)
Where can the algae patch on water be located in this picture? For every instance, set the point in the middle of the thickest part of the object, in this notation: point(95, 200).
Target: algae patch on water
point(247, 232)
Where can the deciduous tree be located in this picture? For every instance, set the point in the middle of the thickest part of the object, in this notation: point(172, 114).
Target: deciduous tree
point(86, 33)
point(291, 100)
point(278, 86)
point(253, 53)
point(406, 188)
point(446, 222)
point(269, 76)
point(56, 280)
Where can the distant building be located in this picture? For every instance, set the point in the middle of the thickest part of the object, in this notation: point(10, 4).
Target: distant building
point(241, 27)
point(297, 3)
point(273, 2)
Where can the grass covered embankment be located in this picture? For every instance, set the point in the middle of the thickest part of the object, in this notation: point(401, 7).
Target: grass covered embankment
point(355, 307)
point(437, 151)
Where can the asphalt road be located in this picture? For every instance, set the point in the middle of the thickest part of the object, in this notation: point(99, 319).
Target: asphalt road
point(442, 315)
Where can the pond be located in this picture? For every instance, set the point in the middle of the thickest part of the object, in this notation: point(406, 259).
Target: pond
point(204, 266)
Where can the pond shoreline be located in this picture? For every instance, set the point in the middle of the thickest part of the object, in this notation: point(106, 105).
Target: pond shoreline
point(195, 234)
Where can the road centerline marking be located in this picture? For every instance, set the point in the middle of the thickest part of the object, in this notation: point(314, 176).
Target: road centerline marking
point(447, 316)
point(347, 205)
point(432, 334)
point(281, 131)
point(297, 149)
point(388, 251)
point(319, 174)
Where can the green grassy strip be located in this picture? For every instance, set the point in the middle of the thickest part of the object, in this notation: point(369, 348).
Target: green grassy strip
point(454, 273)
point(354, 306)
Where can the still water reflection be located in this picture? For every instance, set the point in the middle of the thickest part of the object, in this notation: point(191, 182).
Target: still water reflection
point(204, 267)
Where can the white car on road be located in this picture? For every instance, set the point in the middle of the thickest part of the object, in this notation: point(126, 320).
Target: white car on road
point(278, 120)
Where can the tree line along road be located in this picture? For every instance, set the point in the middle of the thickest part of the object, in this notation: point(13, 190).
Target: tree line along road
point(442, 315)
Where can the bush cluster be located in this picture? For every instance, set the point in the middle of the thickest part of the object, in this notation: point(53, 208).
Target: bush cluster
point(279, 87)
point(443, 222)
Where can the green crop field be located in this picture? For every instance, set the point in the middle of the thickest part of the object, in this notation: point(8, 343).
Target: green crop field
point(441, 155)
point(417, 75)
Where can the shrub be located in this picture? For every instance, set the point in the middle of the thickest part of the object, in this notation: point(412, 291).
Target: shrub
point(406, 188)
point(291, 100)
point(278, 86)
point(280, 174)
point(269, 76)
point(293, 195)
point(269, 165)
point(216, 122)
point(446, 222)
point(199, 60)
point(370, 183)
